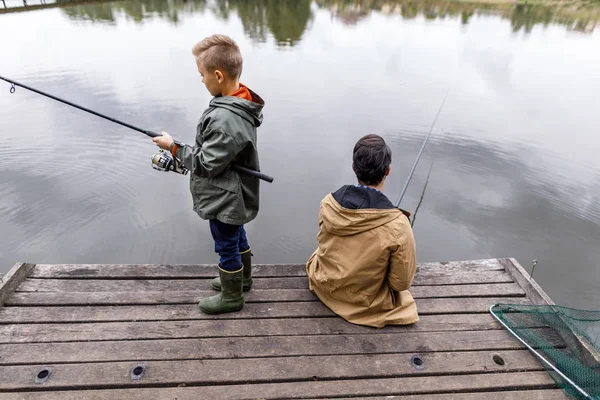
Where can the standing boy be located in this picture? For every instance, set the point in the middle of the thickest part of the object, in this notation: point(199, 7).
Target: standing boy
point(226, 133)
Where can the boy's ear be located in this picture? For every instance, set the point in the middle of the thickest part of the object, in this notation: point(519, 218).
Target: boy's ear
point(219, 76)
point(387, 172)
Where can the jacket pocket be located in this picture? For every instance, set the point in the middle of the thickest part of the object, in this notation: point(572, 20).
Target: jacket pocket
point(228, 181)
point(225, 184)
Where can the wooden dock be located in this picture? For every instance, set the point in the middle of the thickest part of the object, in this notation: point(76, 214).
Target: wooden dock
point(135, 332)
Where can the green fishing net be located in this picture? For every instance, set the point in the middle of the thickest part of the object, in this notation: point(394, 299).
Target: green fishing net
point(565, 340)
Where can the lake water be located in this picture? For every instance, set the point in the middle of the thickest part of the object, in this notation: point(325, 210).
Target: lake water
point(515, 170)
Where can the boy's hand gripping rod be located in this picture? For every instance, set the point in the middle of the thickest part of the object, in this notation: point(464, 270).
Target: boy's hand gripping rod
point(144, 131)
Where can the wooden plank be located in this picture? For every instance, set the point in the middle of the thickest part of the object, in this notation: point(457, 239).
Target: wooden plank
point(150, 297)
point(534, 292)
point(519, 381)
point(44, 333)
point(258, 347)
point(153, 271)
point(250, 311)
point(112, 271)
point(254, 296)
point(461, 278)
point(491, 264)
point(264, 370)
point(548, 394)
point(162, 285)
point(13, 279)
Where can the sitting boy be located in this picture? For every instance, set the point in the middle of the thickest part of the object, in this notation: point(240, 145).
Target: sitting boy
point(226, 133)
point(365, 259)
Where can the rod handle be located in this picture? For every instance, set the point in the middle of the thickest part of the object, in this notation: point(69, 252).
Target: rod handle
point(252, 172)
point(152, 134)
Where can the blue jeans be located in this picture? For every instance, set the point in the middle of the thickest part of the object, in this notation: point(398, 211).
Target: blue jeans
point(230, 241)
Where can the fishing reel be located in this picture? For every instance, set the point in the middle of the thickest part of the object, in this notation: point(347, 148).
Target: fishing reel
point(164, 161)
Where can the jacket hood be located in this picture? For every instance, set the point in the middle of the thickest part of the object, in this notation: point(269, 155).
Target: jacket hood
point(352, 210)
point(249, 110)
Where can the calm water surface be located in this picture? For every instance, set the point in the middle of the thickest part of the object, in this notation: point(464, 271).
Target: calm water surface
point(515, 170)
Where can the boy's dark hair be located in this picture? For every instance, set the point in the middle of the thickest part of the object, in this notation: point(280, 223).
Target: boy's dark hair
point(371, 159)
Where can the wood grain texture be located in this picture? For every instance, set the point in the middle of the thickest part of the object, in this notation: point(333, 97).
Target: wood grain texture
point(31, 315)
point(520, 381)
point(257, 347)
point(153, 271)
point(140, 285)
point(93, 323)
point(549, 394)
point(253, 296)
point(265, 370)
point(45, 333)
point(114, 271)
point(533, 291)
point(13, 279)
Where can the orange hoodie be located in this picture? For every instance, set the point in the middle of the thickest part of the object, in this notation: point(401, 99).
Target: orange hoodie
point(243, 93)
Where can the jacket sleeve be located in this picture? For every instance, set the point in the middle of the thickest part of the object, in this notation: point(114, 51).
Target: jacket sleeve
point(217, 152)
point(403, 264)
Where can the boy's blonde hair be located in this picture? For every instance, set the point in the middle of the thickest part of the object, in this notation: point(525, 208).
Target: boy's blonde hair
point(219, 52)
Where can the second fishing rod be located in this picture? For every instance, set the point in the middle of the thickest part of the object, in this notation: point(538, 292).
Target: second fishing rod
point(412, 170)
point(162, 160)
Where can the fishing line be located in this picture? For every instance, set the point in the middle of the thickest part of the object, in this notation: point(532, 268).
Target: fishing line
point(412, 171)
point(422, 195)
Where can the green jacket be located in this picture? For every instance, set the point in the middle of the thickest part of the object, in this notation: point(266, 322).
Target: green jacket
point(226, 133)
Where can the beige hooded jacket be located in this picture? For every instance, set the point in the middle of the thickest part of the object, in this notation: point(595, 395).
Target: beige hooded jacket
point(365, 260)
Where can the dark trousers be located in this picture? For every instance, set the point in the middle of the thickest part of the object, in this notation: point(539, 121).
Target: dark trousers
point(230, 241)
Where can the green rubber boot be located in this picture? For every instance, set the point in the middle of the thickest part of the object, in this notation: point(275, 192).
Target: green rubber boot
point(247, 281)
point(231, 297)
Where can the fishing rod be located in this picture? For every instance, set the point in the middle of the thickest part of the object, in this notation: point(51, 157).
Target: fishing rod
point(412, 171)
point(412, 223)
point(163, 160)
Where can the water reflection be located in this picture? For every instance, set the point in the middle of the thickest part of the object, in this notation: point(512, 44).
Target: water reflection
point(59, 208)
point(288, 20)
point(478, 199)
point(137, 10)
point(527, 16)
point(523, 16)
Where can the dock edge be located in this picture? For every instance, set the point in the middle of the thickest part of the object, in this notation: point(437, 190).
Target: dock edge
point(17, 274)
